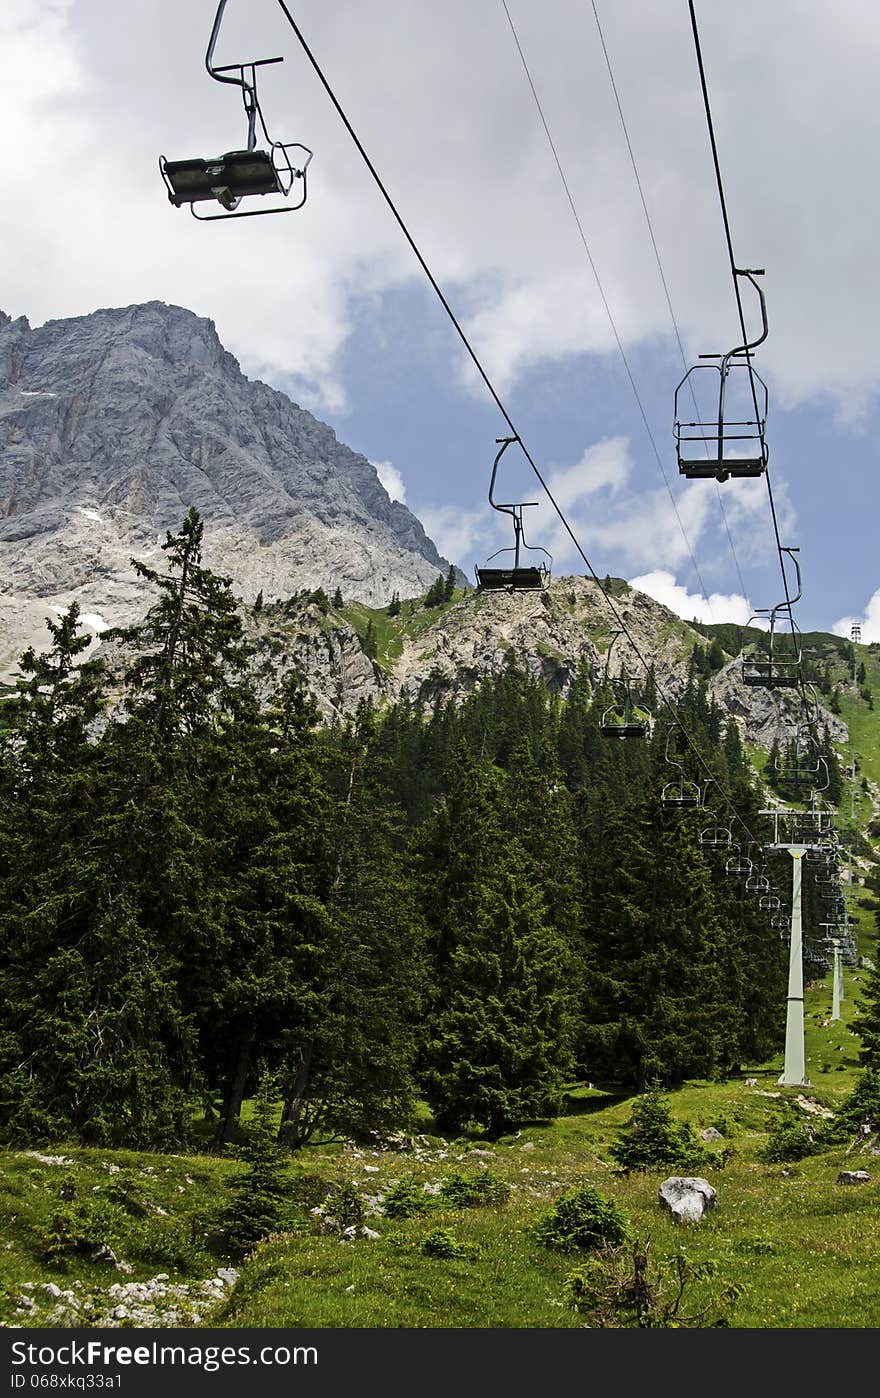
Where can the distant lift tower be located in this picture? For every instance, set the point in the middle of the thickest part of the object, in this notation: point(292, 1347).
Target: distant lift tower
point(837, 990)
point(855, 635)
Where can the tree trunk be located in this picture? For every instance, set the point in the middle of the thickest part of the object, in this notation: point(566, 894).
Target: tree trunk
point(295, 1096)
point(227, 1130)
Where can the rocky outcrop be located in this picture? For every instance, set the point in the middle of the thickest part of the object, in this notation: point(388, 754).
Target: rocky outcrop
point(765, 714)
point(687, 1197)
point(551, 633)
point(554, 634)
point(113, 424)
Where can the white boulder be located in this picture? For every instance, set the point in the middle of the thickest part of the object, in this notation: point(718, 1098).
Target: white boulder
point(687, 1197)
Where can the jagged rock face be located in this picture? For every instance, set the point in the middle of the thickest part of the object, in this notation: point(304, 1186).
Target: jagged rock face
point(765, 714)
point(325, 654)
point(113, 424)
point(550, 633)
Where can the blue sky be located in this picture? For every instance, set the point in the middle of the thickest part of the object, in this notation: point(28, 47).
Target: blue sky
point(330, 305)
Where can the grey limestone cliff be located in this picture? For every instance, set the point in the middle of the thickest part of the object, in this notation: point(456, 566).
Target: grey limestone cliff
point(113, 424)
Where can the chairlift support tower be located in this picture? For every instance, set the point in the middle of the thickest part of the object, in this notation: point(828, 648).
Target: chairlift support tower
point(794, 1073)
point(855, 636)
point(837, 991)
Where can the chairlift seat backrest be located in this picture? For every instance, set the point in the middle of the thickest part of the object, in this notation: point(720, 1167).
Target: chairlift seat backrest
point(511, 579)
point(731, 467)
point(716, 837)
point(240, 172)
point(680, 795)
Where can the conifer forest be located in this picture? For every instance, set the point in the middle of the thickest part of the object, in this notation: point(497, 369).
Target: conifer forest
point(465, 904)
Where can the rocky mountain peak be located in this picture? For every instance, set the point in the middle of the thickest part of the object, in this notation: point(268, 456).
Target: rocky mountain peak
point(113, 424)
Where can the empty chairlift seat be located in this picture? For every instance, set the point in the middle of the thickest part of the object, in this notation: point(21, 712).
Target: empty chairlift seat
point(227, 178)
point(518, 577)
point(239, 174)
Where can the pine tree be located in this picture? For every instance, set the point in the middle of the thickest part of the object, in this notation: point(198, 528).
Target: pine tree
point(94, 1047)
point(350, 1059)
point(259, 1197)
point(338, 602)
point(449, 585)
point(498, 1042)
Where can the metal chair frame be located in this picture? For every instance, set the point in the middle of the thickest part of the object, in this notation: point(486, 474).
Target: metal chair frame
point(215, 179)
point(716, 434)
point(513, 579)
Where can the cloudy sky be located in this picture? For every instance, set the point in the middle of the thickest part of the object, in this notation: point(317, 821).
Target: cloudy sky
point(330, 305)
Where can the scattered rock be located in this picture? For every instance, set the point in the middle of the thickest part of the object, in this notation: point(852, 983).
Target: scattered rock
point(853, 1177)
point(711, 1133)
point(687, 1197)
point(751, 1082)
point(814, 1108)
point(529, 1145)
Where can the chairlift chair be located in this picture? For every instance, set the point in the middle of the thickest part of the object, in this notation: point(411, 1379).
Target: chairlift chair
point(805, 765)
point(738, 863)
point(239, 174)
point(680, 794)
point(707, 450)
point(624, 718)
point(780, 667)
point(757, 882)
point(770, 902)
point(716, 837)
point(517, 578)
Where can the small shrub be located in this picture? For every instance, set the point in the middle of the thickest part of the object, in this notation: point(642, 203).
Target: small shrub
point(128, 1191)
point(346, 1206)
point(859, 1114)
point(474, 1191)
point(259, 1202)
point(653, 1140)
point(79, 1229)
point(441, 1243)
point(404, 1199)
point(308, 1190)
point(582, 1219)
point(789, 1139)
point(622, 1288)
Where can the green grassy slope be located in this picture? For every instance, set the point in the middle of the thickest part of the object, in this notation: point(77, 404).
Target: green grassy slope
point(804, 1249)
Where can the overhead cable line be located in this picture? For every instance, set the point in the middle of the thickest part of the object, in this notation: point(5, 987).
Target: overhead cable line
point(500, 405)
point(805, 704)
point(672, 316)
point(734, 273)
point(611, 321)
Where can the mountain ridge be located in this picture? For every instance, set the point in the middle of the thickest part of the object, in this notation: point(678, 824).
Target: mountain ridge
point(114, 423)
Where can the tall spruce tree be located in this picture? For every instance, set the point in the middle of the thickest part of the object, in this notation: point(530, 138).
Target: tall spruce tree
point(94, 1046)
point(498, 1043)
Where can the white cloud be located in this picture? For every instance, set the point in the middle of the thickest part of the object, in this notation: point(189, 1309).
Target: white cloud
point(443, 108)
point(719, 607)
point(869, 622)
point(391, 479)
point(457, 533)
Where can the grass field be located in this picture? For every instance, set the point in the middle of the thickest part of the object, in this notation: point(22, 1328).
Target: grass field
point(804, 1250)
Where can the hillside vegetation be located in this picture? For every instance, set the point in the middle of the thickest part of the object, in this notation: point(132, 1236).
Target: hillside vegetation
point(264, 971)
